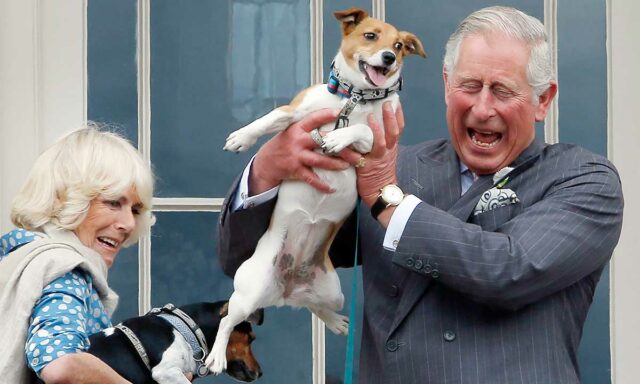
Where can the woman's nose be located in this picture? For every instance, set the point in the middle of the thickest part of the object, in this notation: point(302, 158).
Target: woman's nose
point(126, 220)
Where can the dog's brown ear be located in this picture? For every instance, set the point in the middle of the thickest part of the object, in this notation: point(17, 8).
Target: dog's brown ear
point(224, 310)
point(256, 317)
point(412, 45)
point(350, 18)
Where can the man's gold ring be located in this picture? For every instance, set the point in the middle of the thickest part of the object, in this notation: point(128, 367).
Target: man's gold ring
point(316, 137)
point(361, 162)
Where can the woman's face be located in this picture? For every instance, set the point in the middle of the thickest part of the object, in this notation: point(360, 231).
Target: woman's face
point(109, 223)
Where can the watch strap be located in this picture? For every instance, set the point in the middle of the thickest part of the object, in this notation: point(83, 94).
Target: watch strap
point(381, 203)
point(377, 207)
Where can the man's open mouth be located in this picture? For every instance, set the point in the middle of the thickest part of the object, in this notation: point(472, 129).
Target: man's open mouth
point(376, 76)
point(484, 139)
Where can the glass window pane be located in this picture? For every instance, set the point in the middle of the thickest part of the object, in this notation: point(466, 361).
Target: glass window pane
point(582, 74)
point(112, 94)
point(332, 32)
point(215, 67)
point(185, 269)
point(123, 279)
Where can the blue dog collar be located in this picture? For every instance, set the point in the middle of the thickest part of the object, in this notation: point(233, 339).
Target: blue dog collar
point(182, 323)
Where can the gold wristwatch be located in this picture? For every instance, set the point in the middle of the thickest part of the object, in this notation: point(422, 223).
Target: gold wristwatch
point(390, 195)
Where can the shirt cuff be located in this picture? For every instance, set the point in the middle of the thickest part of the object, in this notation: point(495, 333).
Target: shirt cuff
point(242, 200)
point(398, 221)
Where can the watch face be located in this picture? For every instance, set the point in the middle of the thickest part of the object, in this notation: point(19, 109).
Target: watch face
point(392, 194)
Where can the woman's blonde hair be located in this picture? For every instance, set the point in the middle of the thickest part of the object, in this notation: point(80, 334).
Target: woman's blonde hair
point(79, 167)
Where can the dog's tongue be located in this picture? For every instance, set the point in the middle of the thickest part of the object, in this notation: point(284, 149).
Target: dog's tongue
point(376, 76)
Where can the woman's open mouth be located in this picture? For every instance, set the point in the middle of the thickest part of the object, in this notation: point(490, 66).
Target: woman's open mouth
point(108, 242)
point(376, 76)
point(484, 139)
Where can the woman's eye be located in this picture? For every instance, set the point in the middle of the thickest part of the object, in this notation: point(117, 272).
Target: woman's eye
point(370, 36)
point(136, 210)
point(398, 46)
point(113, 203)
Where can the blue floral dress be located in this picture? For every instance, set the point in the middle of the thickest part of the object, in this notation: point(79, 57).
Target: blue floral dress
point(68, 311)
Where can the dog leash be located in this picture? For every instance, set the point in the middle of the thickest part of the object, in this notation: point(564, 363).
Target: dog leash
point(348, 364)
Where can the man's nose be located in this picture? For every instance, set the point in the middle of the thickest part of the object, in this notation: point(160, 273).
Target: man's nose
point(484, 107)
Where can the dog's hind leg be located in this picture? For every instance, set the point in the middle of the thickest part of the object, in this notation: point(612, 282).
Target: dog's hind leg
point(238, 311)
point(337, 323)
point(254, 288)
point(328, 300)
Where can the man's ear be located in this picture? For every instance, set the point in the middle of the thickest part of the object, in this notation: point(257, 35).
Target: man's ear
point(445, 78)
point(411, 44)
point(545, 100)
point(350, 18)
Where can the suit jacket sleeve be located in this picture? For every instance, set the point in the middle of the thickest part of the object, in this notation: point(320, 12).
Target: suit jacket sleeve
point(565, 230)
point(239, 232)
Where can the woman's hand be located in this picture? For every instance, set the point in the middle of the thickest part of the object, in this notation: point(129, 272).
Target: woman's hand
point(80, 368)
point(291, 155)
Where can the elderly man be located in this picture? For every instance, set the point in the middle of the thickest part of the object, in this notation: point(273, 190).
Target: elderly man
point(483, 251)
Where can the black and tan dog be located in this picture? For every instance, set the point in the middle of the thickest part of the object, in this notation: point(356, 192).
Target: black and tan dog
point(167, 339)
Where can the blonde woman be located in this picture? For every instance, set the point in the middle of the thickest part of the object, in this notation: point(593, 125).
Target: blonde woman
point(86, 197)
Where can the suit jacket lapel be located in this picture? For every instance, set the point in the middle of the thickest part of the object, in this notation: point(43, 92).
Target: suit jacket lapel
point(437, 177)
point(464, 206)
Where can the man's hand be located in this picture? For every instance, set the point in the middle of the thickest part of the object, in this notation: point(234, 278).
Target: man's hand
point(291, 155)
point(380, 164)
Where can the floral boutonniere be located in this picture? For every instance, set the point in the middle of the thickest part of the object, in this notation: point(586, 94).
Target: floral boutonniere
point(498, 195)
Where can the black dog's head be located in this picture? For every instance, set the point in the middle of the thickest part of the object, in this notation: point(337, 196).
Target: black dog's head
point(241, 363)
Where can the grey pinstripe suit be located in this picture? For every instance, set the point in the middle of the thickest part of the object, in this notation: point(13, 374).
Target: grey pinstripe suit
point(496, 298)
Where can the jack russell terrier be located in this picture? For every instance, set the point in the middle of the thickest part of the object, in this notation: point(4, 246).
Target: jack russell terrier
point(291, 265)
point(161, 346)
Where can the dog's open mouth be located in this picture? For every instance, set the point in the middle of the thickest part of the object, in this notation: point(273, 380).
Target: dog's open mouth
point(376, 76)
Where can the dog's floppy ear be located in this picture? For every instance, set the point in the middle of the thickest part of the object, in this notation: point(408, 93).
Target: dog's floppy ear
point(412, 45)
point(224, 310)
point(350, 18)
point(256, 317)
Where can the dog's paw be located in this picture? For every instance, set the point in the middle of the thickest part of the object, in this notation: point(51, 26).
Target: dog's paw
point(336, 323)
point(217, 359)
point(335, 141)
point(240, 141)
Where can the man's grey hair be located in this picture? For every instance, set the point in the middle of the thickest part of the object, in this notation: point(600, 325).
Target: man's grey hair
point(515, 24)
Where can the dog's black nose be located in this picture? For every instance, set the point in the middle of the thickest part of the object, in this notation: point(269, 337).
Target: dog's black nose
point(388, 58)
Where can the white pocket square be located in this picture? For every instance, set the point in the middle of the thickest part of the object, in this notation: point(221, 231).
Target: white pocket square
point(497, 196)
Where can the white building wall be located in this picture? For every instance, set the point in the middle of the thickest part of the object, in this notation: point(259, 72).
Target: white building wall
point(42, 83)
point(624, 150)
